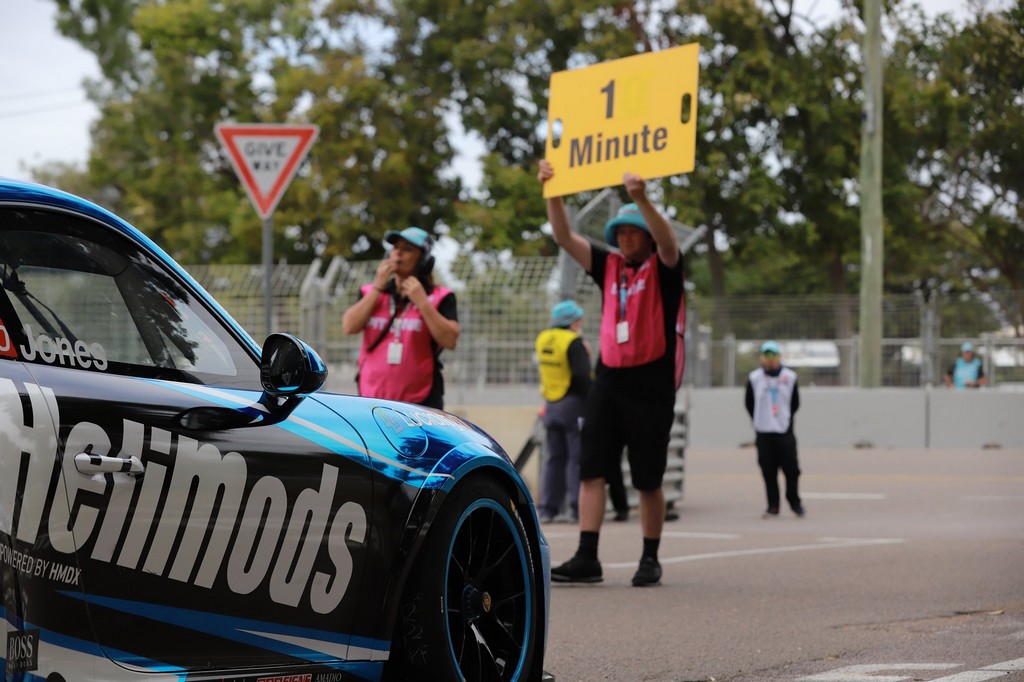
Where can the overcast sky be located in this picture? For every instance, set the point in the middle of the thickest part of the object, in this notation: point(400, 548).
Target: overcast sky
point(44, 115)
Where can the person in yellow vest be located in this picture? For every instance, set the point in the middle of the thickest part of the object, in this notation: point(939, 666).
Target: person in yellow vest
point(564, 361)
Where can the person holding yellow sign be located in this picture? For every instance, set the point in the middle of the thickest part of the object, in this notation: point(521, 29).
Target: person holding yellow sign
point(632, 401)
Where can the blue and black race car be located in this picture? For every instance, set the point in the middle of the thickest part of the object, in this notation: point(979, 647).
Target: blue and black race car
point(178, 503)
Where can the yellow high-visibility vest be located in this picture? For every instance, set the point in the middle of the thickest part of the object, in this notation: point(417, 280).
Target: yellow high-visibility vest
point(552, 349)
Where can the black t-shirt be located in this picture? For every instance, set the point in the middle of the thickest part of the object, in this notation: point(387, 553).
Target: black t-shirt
point(658, 376)
point(579, 367)
point(449, 311)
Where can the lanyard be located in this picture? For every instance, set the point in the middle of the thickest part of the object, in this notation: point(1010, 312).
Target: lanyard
point(398, 313)
point(622, 295)
point(624, 284)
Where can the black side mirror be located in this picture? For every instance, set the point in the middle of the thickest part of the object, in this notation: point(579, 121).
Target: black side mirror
point(289, 371)
point(290, 368)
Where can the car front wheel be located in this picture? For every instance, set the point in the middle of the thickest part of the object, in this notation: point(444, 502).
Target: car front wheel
point(469, 613)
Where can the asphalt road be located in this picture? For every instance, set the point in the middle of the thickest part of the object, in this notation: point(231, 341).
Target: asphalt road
point(909, 565)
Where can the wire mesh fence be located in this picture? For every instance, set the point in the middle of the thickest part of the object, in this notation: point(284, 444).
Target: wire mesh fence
point(504, 303)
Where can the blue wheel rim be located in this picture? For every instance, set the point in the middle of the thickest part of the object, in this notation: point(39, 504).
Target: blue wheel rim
point(488, 595)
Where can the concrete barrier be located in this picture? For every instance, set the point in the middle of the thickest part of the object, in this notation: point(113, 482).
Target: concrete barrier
point(883, 417)
point(828, 417)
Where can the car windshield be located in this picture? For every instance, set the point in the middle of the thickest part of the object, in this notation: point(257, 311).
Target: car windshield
point(73, 285)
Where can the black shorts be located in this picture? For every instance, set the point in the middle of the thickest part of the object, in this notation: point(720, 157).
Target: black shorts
point(614, 422)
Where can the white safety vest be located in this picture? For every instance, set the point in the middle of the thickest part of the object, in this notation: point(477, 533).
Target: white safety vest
point(772, 400)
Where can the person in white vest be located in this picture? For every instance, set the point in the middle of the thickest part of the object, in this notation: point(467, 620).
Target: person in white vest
point(772, 398)
point(406, 321)
point(632, 401)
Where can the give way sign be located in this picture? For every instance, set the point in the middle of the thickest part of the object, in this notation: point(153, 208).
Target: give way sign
point(265, 157)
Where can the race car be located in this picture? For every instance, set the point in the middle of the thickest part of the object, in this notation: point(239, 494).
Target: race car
point(179, 503)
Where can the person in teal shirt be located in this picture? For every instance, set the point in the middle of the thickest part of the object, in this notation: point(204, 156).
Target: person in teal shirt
point(967, 371)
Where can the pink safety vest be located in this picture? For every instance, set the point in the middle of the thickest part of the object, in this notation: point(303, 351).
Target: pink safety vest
point(643, 312)
point(412, 378)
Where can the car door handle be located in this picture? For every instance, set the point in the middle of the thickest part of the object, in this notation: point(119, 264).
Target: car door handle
point(90, 464)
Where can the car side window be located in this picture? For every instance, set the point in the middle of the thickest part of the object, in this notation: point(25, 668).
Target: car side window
point(89, 298)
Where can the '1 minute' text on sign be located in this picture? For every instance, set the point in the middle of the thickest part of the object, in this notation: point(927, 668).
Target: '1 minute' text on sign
point(635, 115)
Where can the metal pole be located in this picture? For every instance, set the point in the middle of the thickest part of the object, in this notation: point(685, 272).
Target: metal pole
point(268, 265)
point(729, 371)
point(568, 268)
point(871, 202)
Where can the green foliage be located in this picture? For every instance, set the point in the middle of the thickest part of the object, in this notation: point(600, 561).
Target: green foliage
point(175, 69)
point(778, 130)
point(961, 119)
point(508, 217)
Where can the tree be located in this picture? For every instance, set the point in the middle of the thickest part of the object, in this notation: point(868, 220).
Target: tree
point(963, 105)
point(778, 130)
point(173, 70)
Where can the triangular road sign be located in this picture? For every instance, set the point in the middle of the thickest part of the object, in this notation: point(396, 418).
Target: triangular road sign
point(265, 157)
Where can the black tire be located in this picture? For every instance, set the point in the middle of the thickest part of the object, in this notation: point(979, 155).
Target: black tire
point(470, 613)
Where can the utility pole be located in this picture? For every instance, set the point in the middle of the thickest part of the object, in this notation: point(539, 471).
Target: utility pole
point(871, 202)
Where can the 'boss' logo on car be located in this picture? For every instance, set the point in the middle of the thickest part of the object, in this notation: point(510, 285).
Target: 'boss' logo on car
point(211, 522)
point(22, 650)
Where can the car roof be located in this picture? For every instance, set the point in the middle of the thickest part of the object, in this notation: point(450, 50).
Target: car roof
point(23, 192)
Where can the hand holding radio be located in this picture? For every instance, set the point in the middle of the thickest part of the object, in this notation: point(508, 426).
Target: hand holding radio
point(412, 289)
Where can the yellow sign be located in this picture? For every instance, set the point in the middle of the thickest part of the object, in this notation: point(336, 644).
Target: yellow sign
point(632, 115)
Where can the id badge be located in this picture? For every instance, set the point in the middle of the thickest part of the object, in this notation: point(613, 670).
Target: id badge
point(394, 353)
point(622, 332)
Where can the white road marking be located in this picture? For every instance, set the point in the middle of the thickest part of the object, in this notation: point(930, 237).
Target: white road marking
point(826, 543)
point(994, 498)
point(1007, 666)
point(700, 536)
point(860, 673)
point(864, 673)
point(842, 496)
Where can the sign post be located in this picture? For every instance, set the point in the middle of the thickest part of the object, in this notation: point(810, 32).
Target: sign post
point(637, 115)
point(265, 158)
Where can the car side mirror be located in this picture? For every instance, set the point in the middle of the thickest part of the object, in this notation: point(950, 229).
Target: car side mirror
point(289, 367)
point(289, 371)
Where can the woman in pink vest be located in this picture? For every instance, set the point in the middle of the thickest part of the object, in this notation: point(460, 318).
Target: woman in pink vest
point(406, 321)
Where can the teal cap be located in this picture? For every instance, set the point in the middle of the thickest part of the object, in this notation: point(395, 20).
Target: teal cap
point(565, 313)
point(628, 215)
point(414, 235)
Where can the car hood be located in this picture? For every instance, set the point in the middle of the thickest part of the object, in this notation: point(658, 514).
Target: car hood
point(418, 445)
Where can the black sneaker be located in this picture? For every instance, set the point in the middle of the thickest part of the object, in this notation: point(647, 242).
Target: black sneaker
point(799, 511)
point(577, 570)
point(648, 574)
point(621, 515)
point(771, 513)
